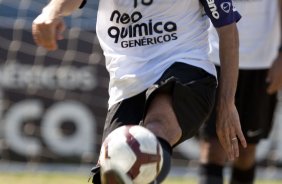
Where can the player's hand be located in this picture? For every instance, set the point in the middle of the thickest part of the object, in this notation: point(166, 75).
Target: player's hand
point(47, 29)
point(274, 77)
point(229, 131)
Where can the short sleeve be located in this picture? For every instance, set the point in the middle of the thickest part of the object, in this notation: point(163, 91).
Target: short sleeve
point(221, 12)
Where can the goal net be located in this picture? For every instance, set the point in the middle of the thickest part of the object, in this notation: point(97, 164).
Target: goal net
point(52, 104)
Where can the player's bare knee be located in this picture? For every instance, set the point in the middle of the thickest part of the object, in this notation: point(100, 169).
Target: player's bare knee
point(161, 128)
point(161, 119)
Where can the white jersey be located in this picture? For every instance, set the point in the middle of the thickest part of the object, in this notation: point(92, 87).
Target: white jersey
point(141, 39)
point(259, 34)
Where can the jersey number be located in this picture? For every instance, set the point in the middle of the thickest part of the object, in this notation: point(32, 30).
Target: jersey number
point(144, 2)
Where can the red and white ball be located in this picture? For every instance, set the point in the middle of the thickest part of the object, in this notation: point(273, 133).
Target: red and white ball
point(132, 150)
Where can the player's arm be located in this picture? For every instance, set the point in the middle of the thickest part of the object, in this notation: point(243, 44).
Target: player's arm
point(228, 122)
point(224, 18)
point(47, 28)
point(274, 77)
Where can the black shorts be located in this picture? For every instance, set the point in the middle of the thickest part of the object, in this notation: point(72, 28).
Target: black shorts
point(254, 105)
point(193, 94)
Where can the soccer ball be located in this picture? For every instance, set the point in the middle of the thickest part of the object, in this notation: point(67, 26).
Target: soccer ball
point(134, 151)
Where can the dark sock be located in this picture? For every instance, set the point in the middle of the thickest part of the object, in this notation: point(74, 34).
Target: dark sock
point(243, 176)
point(211, 174)
point(167, 151)
point(96, 179)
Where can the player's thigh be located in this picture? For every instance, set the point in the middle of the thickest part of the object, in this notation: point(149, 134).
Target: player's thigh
point(161, 119)
point(183, 97)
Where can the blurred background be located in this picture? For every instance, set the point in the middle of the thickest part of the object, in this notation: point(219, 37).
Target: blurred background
point(53, 105)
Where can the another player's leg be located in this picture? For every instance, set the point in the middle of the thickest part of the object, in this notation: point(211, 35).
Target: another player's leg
point(243, 169)
point(212, 159)
point(212, 155)
point(256, 109)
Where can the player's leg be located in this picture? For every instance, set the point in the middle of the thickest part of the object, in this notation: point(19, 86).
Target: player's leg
point(212, 155)
point(127, 112)
point(162, 121)
point(212, 159)
point(159, 118)
point(243, 169)
point(177, 107)
point(256, 109)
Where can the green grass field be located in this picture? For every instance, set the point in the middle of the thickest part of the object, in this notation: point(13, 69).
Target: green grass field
point(58, 178)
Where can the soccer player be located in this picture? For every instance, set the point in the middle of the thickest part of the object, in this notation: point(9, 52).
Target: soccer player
point(260, 77)
point(160, 75)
